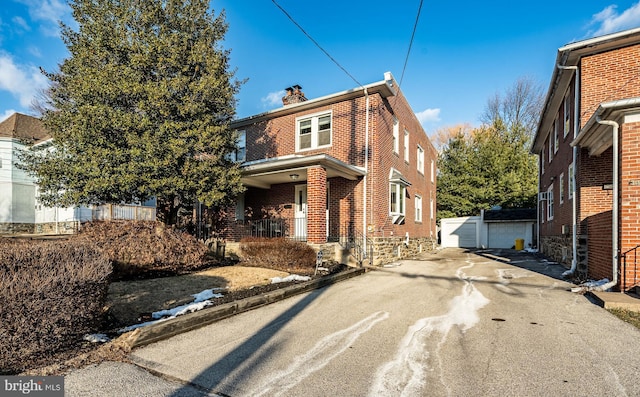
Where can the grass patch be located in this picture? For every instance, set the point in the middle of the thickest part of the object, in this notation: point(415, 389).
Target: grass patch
point(628, 316)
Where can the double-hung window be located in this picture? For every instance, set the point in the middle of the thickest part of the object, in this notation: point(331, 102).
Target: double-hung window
point(556, 143)
point(571, 181)
point(406, 146)
point(396, 136)
point(418, 202)
point(550, 203)
point(313, 131)
point(397, 195)
point(420, 159)
point(561, 188)
point(567, 116)
point(240, 154)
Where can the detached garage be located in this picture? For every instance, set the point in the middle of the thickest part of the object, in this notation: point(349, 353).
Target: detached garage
point(460, 232)
point(492, 229)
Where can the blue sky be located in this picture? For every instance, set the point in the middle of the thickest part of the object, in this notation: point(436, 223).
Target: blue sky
point(463, 53)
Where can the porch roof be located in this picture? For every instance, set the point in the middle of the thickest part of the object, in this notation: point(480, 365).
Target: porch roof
point(597, 137)
point(266, 172)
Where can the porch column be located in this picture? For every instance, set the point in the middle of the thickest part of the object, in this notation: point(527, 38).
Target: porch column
point(317, 205)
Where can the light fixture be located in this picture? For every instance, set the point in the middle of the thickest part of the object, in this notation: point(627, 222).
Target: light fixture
point(294, 176)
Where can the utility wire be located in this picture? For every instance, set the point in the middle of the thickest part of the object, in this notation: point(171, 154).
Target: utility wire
point(415, 26)
point(316, 43)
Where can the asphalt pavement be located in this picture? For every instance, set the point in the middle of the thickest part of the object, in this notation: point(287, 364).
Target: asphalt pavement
point(452, 323)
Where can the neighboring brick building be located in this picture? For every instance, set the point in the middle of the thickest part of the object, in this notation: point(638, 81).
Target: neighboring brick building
point(589, 138)
point(353, 163)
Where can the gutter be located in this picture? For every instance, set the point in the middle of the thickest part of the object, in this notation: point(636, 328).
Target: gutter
point(615, 210)
point(574, 206)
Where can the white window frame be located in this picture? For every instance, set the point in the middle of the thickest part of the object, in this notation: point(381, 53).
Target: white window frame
point(433, 171)
point(314, 119)
point(406, 146)
point(542, 161)
point(567, 116)
point(561, 181)
point(431, 211)
point(571, 181)
point(420, 159)
point(241, 147)
point(550, 149)
point(556, 127)
point(550, 208)
point(400, 206)
point(418, 204)
point(396, 136)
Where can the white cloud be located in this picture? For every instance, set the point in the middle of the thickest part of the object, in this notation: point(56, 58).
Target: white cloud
point(21, 22)
point(23, 82)
point(428, 115)
point(609, 20)
point(48, 11)
point(6, 114)
point(273, 98)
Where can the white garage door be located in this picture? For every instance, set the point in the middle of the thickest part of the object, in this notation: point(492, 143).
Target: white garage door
point(504, 235)
point(458, 233)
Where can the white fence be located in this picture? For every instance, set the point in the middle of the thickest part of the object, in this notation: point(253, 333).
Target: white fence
point(110, 212)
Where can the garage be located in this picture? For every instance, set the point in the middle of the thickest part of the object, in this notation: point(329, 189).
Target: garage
point(503, 235)
point(459, 232)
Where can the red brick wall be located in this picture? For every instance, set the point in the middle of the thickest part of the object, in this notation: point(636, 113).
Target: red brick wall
point(629, 195)
point(609, 76)
point(316, 205)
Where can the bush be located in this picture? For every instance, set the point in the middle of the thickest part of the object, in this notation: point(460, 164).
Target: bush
point(51, 294)
point(140, 249)
point(278, 254)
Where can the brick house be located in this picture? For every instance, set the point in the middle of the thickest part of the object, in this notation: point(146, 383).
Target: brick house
point(588, 143)
point(352, 166)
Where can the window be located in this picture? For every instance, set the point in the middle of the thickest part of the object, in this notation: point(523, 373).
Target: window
point(314, 132)
point(567, 116)
point(431, 211)
point(406, 146)
point(556, 126)
point(396, 136)
point(418, 200)
point(396, 199)
point(240, 154)
point(550, 203)
point(550, 150)
point(571, 181)
point(562, 188)
point(420, 159)
point(542, 161)
point(433, 171)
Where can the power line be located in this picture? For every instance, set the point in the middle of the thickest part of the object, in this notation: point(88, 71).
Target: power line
point(315, 42)
point(415, 26)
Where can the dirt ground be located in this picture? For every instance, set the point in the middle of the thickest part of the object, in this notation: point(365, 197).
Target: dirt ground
point(130, 301)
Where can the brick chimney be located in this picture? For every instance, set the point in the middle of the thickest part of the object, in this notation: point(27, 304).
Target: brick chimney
point(294, 95)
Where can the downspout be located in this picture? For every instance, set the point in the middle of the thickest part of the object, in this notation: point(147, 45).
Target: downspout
point(616, 194)
point(366, 168)
point(574, 205)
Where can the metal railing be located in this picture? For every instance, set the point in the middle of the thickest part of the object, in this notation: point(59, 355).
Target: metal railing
point(123, 212)
point(352, 239)
point(291, 228)
point(630, 259)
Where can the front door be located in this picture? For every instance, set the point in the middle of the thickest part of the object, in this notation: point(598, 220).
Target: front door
point(301, 212)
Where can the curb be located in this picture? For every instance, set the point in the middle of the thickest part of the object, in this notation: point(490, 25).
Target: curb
point(188, 322)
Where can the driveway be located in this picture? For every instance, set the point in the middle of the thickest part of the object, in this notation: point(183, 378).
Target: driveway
point(454, 323)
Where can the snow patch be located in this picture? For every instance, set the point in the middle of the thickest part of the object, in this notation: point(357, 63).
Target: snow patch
point(96, 338)
point(292, 277)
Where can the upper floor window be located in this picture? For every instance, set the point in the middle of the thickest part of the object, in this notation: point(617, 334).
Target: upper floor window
point(556, 126)
point(406, 146)
point(313, 131)
point(567, 116)
point(420, 159)
point(550, 149)
point(433, 171)
point(542, 161)
point(396, 136)
point(240, 154)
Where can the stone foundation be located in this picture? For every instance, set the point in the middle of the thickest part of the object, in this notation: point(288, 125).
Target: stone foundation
point(389, 249)
point(16, 228)
point(559, 249)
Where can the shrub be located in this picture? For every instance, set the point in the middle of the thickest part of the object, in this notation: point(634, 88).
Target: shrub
point(51, 294)
point(278, 254)
point(142, 248)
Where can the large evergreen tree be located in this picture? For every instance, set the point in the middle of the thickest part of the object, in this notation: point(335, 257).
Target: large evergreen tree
point(491, 165)
point(140, 108)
